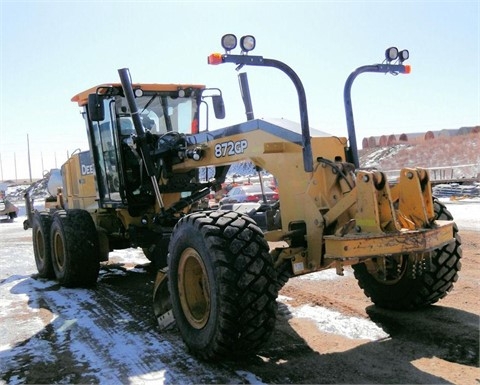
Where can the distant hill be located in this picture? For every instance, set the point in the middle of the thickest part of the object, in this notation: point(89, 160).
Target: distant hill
point(441, 152)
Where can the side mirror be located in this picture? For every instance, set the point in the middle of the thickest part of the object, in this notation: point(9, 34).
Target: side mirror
point(96, 111)
point(218, 106)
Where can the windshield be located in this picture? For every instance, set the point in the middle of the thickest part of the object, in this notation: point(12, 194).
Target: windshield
point(160, 113)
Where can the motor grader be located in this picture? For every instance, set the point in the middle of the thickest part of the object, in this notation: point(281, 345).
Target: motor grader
point(153, 157)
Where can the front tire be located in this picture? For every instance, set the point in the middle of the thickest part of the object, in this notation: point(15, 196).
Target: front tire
point(75, 249)
point(284, 270)
point(41, 223)
point(406, 286)
point(222, 284)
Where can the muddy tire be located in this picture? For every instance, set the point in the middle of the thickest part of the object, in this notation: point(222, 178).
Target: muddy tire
point(75, 249)
point(284, 270)
point(222, 284)
point(408, 285)
point(41, 223)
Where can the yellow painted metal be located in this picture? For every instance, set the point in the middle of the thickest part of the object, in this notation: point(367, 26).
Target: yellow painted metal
point(363, 245)
point(375, 211)
point(80, 188)
point(162, 306)
point(194, 288)
point(274, 236)
point(415, 196)
point(58, 251)
point(297, 256)
point(325, 193)
point(274, 147)
point(341, 207)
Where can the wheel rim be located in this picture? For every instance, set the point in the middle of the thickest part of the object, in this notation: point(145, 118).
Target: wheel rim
point(59, 251)
point(40, 246)
point(193, 288)
point(396, 266)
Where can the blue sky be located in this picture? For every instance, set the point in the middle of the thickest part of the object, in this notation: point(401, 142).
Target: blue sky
point(51, 50)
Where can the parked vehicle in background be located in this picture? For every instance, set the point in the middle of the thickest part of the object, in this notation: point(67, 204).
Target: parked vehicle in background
point(249, 194)
point(6, 207)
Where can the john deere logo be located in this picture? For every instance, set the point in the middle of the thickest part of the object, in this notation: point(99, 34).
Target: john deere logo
point(86, 164)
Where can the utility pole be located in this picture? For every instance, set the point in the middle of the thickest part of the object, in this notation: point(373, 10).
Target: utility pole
point(29, 163)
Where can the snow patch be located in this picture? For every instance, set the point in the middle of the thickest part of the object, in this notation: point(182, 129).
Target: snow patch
point(333, 322)
point(325, 275)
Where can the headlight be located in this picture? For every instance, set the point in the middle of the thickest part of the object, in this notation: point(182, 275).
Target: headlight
point(247, 43)
point(229, 41)
point(391, 53)
point(403, 55)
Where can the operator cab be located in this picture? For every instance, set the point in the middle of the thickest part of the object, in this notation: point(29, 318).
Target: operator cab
point(165, 111)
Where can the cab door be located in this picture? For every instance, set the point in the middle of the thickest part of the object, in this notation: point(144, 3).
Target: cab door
point(105, 150)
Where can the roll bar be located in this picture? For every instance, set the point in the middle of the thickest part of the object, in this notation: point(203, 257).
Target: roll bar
point(259, 61)
point(347, 99)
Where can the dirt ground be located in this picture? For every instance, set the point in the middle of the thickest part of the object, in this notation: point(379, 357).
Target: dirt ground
point(436, 345)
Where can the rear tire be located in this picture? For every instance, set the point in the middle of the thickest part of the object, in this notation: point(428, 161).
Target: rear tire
point(75, 249)
point(41, 223)
point(222, 284)
point(407, 287)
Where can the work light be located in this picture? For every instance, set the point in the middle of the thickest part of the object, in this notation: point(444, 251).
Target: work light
point(247, 43)
point(403, 55)
point(229, 42)
point(391, 54)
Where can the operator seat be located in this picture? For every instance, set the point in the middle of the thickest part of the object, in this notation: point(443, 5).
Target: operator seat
point(131, 160)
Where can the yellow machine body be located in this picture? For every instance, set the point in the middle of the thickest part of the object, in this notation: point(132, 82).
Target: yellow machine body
point(154, 158)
